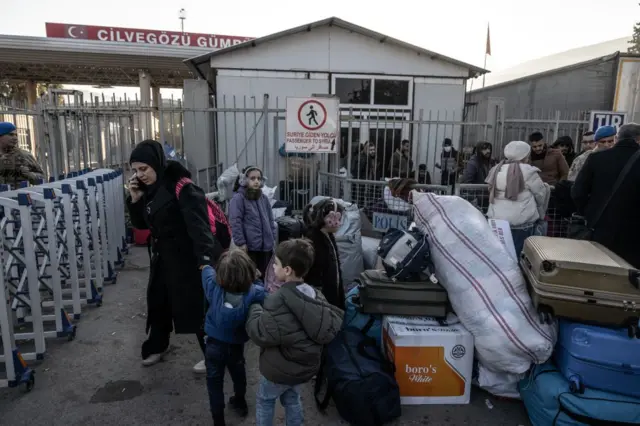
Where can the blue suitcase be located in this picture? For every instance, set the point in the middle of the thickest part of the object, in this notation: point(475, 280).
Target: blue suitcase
point(598, 358)
point(545, 393)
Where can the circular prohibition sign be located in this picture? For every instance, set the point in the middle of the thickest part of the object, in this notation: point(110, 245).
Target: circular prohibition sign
point(324, 115)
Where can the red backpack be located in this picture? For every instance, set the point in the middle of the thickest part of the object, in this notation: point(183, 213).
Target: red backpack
point(217, 219)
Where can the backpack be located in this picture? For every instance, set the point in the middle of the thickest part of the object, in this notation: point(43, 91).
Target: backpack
point(359, 379)
point(406, 255)
point(217, 219)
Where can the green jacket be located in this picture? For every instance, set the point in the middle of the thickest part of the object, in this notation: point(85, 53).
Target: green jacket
point(291, 329)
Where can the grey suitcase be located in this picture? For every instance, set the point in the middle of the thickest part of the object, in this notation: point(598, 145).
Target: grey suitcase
point(582, 281)
point(380, 294)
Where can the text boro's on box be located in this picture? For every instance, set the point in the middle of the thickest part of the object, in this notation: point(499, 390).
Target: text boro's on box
point(312, 125)
point(433, 363)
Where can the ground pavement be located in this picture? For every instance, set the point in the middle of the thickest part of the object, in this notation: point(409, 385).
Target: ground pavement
point(97, 379)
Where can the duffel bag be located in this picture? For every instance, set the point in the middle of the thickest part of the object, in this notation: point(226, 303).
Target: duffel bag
point(356, 319)
point(359, 379)
point(550, 402)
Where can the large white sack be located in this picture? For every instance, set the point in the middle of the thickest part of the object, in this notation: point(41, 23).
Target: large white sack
point(370, 252)
point(498, 384)
point(484, 283)
point(226, 181)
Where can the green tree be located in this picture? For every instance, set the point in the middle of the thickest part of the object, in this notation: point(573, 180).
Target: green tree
point(635, 40)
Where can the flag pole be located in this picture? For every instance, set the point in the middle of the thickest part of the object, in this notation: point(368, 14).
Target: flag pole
point(485, 67)
point(487, 52)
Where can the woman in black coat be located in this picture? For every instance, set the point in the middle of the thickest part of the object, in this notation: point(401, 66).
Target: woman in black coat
point(322, 222)
point(181, 244)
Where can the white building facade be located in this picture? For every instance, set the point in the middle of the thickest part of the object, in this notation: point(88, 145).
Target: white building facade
point(386, 86)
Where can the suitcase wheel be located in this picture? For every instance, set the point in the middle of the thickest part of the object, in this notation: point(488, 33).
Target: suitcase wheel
point(545, 315)
point(576, 385)
point(634, 331)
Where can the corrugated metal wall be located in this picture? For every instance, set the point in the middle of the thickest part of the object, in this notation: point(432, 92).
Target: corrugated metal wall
point(570, 91)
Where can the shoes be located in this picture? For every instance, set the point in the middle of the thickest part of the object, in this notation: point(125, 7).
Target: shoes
point(200, 368)
point(218, 420)
point(239, 405)
point(154, 359)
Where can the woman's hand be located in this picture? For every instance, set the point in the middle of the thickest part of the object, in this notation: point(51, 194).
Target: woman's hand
point(134, 189)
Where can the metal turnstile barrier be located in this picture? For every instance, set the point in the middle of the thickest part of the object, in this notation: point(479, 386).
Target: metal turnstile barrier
point(60, 244)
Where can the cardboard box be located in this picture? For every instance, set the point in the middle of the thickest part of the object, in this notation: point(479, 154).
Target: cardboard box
point(434, 362)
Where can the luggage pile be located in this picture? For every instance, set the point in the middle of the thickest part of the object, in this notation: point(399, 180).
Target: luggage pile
point(556, 327)
point(594, 375)
point(403, 314)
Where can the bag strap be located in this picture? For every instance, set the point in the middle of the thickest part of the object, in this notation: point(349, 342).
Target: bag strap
point(323, 403)
point(181, 183)
point(616, 187)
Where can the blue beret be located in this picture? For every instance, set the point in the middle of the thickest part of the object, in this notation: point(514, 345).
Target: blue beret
point(6, 127)
point(604, 132)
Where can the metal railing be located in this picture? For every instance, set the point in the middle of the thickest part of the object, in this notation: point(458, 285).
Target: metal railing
point(384, 211)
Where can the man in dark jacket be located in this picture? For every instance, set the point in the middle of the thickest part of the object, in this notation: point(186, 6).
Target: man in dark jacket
point(618, 228)
point(401, 163)
point(478, 166)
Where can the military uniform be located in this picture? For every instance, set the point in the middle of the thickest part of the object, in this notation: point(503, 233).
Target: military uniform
point(19, 165)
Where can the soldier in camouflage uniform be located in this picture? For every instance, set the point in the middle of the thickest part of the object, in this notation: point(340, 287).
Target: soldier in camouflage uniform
point(16, 165)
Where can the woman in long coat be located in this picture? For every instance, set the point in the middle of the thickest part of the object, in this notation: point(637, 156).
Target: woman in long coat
point(181, 244)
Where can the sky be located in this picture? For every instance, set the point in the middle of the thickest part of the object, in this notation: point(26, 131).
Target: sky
point(520, 30)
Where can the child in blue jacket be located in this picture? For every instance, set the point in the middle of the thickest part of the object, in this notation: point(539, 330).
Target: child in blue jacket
point(230, 290)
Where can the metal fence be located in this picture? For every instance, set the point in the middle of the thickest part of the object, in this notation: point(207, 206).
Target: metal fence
point(66, 132)
point(385, 211)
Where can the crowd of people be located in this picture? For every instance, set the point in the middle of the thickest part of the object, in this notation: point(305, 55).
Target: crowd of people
point(192, 267)
point(205, 272)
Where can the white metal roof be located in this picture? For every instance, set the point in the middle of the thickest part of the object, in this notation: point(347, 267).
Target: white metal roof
point(556, 62)
point(200, 64)
point(70, 61)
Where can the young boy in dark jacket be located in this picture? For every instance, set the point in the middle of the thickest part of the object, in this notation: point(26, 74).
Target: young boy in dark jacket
point(291, 329)
point(230, 291)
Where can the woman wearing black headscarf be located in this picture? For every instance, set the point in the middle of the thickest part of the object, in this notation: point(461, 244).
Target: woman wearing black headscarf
point(181, 244)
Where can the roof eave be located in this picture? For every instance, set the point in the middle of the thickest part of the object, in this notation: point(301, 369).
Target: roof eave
point(474, 71)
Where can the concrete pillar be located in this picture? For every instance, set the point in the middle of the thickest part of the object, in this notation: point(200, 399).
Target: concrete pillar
point(145, 102)
point(32, 93)
point(197, 124)
point(155, 94)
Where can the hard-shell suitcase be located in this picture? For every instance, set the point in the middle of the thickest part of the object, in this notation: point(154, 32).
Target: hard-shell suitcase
point(380, 294)
point(598, 358)
point(549, 402)
point(582, 281)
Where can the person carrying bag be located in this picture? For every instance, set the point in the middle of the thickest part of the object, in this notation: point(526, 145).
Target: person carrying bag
point(579, 229)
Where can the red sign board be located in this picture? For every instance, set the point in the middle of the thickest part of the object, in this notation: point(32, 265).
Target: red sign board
point(132, 35)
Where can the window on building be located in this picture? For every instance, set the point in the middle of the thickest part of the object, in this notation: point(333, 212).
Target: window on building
point(391, 92)
point(353, 90)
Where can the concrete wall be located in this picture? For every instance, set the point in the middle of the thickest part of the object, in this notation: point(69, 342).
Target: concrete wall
point(332, 49)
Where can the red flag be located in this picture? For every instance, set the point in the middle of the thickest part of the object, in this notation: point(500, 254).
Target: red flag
point(488, 50)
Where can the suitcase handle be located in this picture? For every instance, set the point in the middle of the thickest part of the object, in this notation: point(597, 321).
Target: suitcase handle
point(634, 278)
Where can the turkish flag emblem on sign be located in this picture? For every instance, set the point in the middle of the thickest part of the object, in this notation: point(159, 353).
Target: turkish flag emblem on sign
point(76, 31)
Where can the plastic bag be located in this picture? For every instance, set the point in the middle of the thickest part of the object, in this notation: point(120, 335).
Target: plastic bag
point(504, 385)
point(370, 252)
point(270, 193)
point(484, 283)
point(226, 181)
